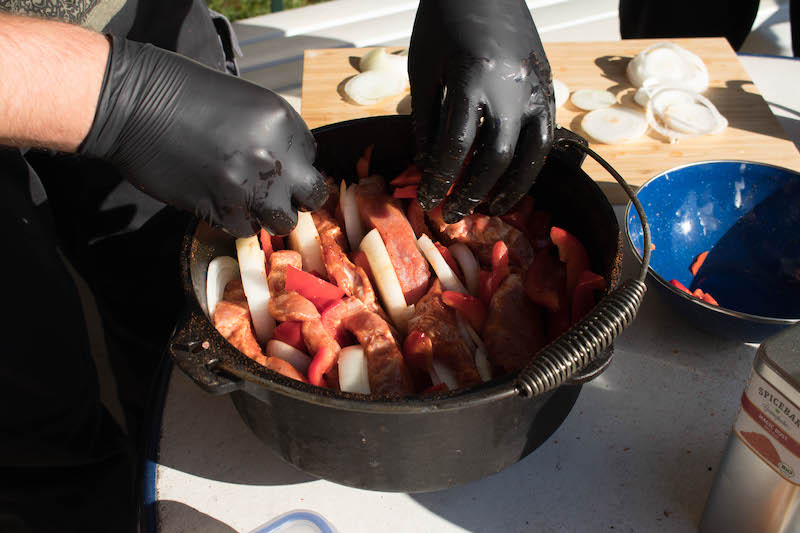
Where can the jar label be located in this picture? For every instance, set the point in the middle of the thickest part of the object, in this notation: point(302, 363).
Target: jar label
point(769, 424)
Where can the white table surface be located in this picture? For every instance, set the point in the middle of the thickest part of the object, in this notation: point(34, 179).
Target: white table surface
point(637, 452)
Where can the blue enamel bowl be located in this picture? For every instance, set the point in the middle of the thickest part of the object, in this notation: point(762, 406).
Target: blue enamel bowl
point(747, 216)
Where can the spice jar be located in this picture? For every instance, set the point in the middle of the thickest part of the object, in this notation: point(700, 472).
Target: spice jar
point(757, 487)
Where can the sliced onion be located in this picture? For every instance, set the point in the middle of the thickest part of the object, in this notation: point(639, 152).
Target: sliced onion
point(352, 219)
point(644, 93)
point(373, 86)
point(221, 270)
point(469, 266)
point(445, 375)
point(252, 266)
point(560, 92)
point(668, 63)
point(288, 353)
point(482, 362)
point(304, 239)
point(461, 322)
point(388, 285)
point(591, 99)
point(614, 124)
point(353, 376)
point(379, 59)
point(447, 277)
point(678, 113)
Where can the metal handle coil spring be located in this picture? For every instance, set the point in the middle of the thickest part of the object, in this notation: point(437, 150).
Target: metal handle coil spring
point(571, 352)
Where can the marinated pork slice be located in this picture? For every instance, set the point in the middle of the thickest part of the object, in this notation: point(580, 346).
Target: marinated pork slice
point(387, 370)
point(291, 307)
point(481, 232)
point(278, 261)
point(232, 320)
point(352, 279)
point(438, 322)
point(381, 211)
point(514, 330)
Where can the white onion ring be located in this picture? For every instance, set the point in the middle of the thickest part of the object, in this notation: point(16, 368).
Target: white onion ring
point(469, 266)
point(672, 125)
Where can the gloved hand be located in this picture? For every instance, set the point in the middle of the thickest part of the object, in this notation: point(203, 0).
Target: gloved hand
point(235, 154)
point(488, 57)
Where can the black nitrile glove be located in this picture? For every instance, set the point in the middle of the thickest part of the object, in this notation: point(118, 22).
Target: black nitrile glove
point(471, 60)
point(233, 153)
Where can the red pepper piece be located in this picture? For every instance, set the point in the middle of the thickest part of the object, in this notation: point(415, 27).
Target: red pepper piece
point(318, 291)
point(500, 268)
point(266, 245)
point(362, 166)
point(435, 389)
point(405, 192)
point(410, 176)
point(698, 293)
point(418, 351)
point(679, 285)
point(472, 308)
point(572, 252)
point(450, 260)
point(545, 280)
point(652, 246)
point(698, 262)
point(321, 364)
point(709, 299)
point(520, 215)
point(583, 300)
point(290, 332)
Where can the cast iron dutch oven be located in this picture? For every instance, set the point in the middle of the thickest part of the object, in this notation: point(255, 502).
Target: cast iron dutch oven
point(415, 444)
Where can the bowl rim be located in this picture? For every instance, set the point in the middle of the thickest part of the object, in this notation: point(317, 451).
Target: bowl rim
point(761, 319)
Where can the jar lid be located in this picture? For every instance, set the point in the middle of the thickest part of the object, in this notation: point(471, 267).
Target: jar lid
point(781, 353)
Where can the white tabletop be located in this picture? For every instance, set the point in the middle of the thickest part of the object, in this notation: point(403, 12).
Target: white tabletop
point(637, 453)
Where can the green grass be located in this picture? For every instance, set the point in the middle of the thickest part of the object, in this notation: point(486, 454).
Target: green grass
point(240, 9)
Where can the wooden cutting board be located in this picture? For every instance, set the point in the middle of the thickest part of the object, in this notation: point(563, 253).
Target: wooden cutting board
point(754, 133)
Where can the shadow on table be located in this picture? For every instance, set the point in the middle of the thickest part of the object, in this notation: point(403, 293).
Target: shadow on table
point(198, 430)
point(183, 518)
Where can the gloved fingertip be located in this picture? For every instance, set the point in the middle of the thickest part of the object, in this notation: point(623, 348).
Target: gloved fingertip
point(278, 222)
point(501, 203)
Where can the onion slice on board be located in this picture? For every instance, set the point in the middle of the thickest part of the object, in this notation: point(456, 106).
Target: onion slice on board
point(469, 266)
point(388, 285)
point(304, 239)
point(353, 226)
point(252, 266)
point(372, 86)
point(591, 99)
point(353, 376)
point(679, 113)
point(560, 92)
point(288, 353)
point(450, 281)
point(221, 270)
point(379, 59)
point(614, 124)
point(668, 63)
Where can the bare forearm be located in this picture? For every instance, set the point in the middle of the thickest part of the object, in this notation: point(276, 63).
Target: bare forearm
point(50, 79)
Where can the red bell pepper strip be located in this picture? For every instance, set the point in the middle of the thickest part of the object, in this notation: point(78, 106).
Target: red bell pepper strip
point(485, 286)
point(472, 308)
point(545, 281)
point(318, 291)
point(290, 332)
point(679, 285)
point(583, 299)
point(405, 192)
point(698, 293)
point(709, 299)
point(362, 166)
point(435, 389)
point(572, 252)
point(450, 260)
point(500, 268)
point(410, 176)
point(321, 364)
point(698, 262)
point(418, 351)
point(266, 245)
